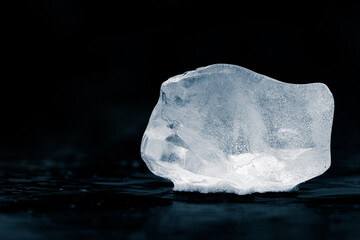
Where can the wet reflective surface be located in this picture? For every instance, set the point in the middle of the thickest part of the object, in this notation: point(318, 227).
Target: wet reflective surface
point(54, 200)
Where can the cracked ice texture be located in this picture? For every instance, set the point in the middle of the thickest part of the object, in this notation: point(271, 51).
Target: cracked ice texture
point(224, 128)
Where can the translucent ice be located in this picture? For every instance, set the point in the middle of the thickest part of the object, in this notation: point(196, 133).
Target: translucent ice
point(224, 128)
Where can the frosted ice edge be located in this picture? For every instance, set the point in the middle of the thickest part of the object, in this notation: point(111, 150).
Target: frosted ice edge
point(187, 139)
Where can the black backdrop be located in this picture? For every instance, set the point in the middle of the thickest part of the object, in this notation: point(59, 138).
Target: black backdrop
point(81, 77)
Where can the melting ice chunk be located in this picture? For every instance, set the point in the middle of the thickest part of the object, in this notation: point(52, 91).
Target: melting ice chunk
point(224, 128)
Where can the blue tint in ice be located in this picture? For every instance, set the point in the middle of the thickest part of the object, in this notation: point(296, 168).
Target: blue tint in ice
point(224, 128)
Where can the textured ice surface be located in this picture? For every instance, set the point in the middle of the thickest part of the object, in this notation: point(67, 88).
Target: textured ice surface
point(224, 128)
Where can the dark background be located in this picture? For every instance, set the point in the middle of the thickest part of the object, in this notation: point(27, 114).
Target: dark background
point(81, 78)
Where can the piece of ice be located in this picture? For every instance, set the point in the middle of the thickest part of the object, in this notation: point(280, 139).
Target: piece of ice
point(224, 128)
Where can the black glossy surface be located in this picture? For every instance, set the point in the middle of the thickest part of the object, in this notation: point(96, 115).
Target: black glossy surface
point(49, 200)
